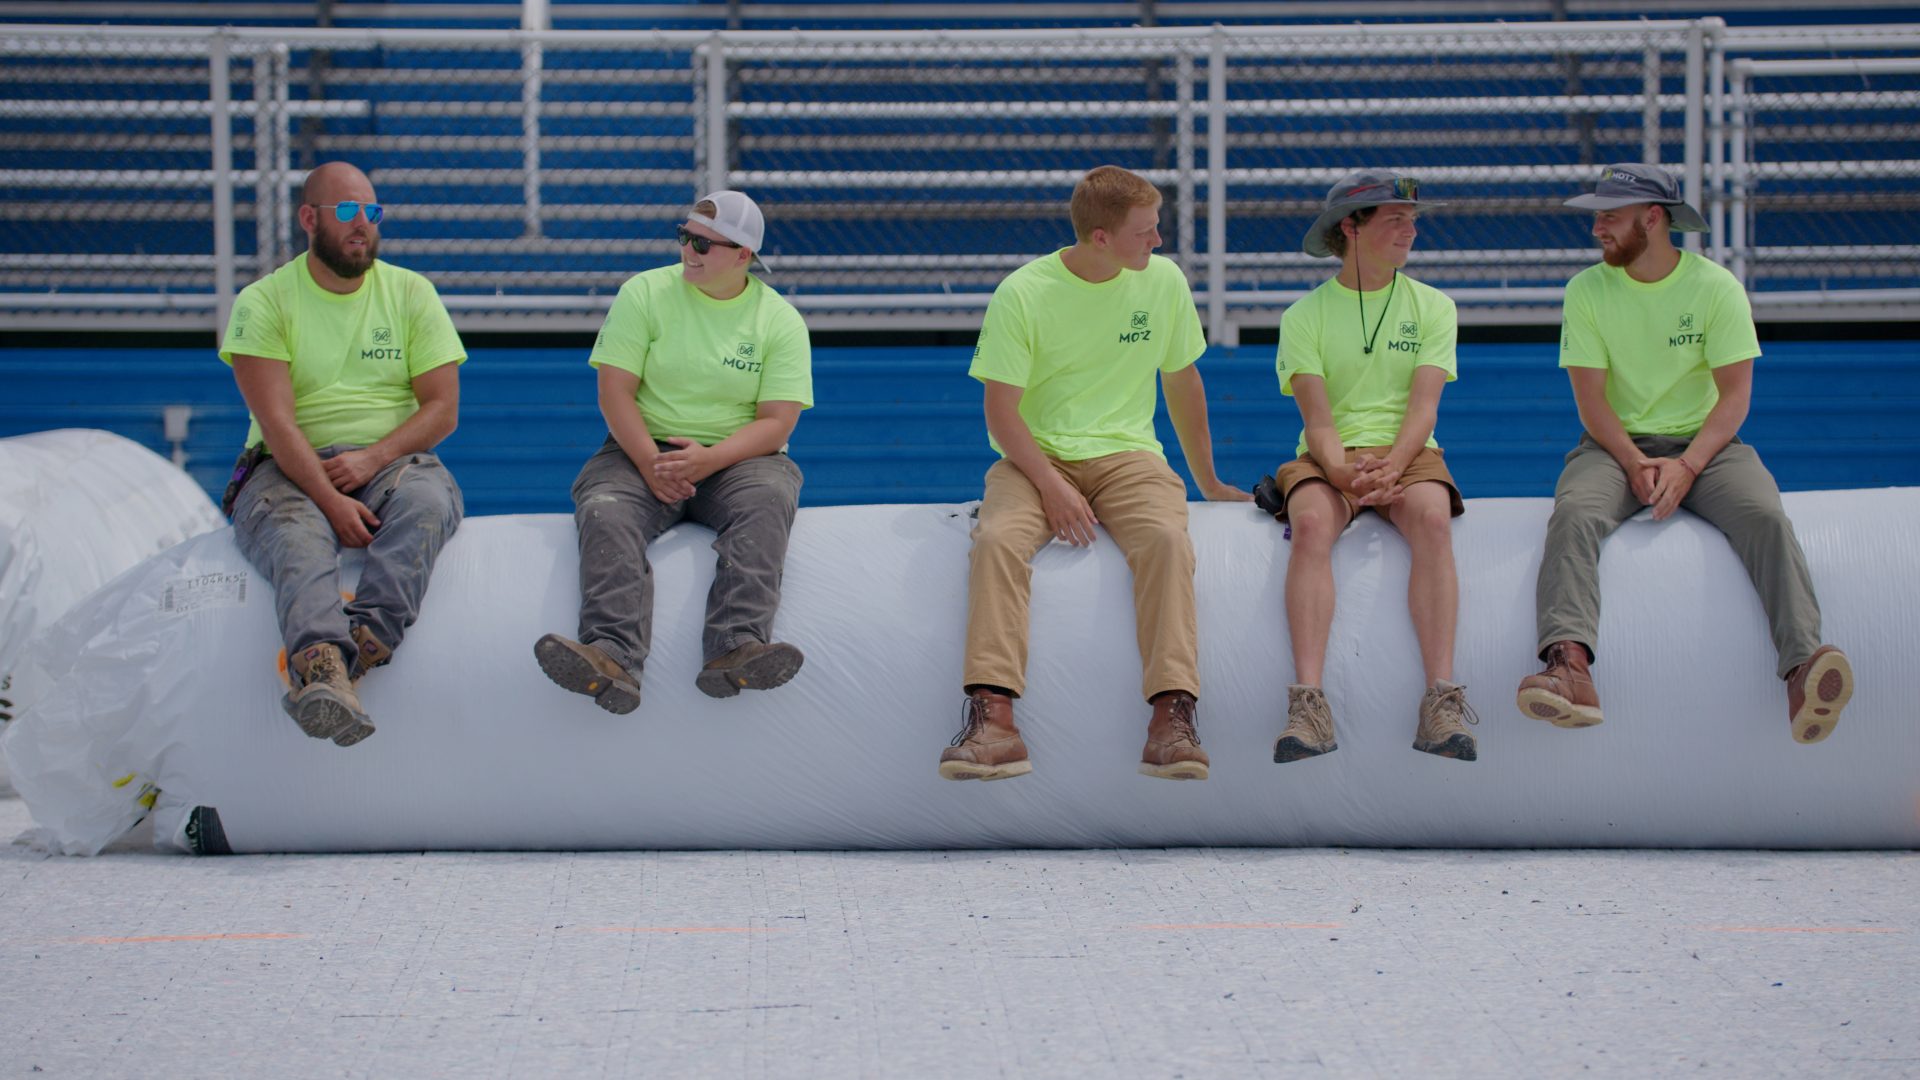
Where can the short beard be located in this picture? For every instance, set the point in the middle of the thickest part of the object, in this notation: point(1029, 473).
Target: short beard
point(333, 255)
point(1628, 250)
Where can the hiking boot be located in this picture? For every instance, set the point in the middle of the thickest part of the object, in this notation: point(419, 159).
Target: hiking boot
point(988, 747)
point(1173, 744)
point(1309, 730)
point(369, 652)
point(1830, 679)
point(322, 700)
point(1563, 694)
point(752, 666)
point(1444, 714)
point(585, 669)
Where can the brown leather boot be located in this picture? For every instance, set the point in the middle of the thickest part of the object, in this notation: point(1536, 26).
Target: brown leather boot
point(585, 669)
point(1563, 694)
point(1173, 743)
point(1309, 730)
point(322, 700)
point(752, 666)
point(988, 747)
point(1830, 678)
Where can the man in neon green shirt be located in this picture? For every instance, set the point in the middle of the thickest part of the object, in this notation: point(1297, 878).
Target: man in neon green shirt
point(1068, 352)
point(1659, 345)
point(1365, 356)
point(350, 367)
point(703, 372)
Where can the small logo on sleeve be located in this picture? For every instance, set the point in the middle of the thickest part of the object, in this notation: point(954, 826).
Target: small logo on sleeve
point(1137, 329)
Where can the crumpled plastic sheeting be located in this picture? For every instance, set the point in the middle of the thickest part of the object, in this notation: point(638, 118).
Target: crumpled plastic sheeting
point(168, 679)
point(78, 507)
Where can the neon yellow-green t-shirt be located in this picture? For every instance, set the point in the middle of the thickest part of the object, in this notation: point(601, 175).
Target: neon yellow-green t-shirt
point(1085, 354)
point(1321, 334)
point(1659, 342)
point(352, 358)
point(705, 365)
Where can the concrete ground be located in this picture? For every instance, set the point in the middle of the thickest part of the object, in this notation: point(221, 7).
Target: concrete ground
point(1156, 963)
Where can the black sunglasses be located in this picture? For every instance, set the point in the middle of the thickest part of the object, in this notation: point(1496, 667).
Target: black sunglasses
point(700, 244)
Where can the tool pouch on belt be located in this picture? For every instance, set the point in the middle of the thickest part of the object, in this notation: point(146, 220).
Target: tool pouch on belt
point(243, 467)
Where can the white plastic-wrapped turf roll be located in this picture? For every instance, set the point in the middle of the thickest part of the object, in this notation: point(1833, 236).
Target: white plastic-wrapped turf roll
point(168, 679)
point(78, 507)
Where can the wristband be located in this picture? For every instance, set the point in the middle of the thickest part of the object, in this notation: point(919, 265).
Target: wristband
point(1689, 468)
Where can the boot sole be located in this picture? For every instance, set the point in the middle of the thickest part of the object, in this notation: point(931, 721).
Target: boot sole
point(323, 715)
point(1537, 704)
point(1457, 747)
point(571, 671)
point(1287, 748)
point(1829, 687)
point(968, 770)
point(779, 663)
point(1179, 770)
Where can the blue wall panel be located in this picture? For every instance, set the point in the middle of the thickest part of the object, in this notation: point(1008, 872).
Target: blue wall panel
point(904, 425)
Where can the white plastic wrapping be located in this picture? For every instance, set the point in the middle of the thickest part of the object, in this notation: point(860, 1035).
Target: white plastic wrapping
point(168, 679)
point(78, 507)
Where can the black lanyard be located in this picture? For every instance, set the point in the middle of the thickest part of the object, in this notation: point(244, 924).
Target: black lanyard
point(1367, 348)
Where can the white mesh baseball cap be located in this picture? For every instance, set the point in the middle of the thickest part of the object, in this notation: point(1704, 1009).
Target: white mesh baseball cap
point(735, 217)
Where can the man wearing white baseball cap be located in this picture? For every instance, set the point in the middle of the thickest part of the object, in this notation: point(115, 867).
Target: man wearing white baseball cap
point(703, 372)
point(1659, 344)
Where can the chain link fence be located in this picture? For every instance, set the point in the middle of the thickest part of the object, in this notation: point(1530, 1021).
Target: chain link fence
point(148, 173)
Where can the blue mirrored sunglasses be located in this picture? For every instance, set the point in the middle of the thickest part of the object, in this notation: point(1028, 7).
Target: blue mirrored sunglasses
point(346, 211)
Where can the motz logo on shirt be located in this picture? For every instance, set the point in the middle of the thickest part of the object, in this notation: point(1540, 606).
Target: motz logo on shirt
point(743, 360)
point(1686, 336)
point(382, 346)
point(1137, 329)
point(1409, 330)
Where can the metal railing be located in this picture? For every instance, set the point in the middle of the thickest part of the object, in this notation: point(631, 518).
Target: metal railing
point(146, 172)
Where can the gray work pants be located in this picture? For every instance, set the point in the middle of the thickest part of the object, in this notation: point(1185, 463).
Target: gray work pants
point(750, 504)
point(1735, 492)
point(286, 537)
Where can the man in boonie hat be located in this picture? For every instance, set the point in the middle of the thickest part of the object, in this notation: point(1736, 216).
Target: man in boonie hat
point(1659, 344)
point(703, 373)
point(1365, 356)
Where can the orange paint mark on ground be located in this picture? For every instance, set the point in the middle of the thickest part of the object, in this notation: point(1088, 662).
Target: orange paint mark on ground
point(1242, 926)
point(151, 939)
point(1803, 929)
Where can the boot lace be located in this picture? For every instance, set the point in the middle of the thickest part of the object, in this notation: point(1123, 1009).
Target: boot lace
point(1181, 715)
point(973, 717)
point(1455, 701)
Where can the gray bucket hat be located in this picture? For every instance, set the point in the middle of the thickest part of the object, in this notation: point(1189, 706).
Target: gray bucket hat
point(1637, 182)
point(1357, 191)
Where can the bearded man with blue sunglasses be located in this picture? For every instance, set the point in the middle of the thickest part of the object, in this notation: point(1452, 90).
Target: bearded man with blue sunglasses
point(349, 366)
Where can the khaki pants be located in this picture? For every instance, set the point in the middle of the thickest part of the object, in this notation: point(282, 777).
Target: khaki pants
point(1735, 492)
point(1143, 506)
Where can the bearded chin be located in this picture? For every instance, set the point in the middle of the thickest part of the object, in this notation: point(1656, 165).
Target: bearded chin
point(1627, 250)
point(335, 258)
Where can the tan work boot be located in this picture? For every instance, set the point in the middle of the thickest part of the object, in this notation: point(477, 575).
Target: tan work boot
point(322, 700)
point(370, 652)
point(752, 666)
point(1444, 714)
point(1309, 730)
point(988, 747)
point(1173, 743)
point(1830, 678)
point(585, 669)
point(1563, 694)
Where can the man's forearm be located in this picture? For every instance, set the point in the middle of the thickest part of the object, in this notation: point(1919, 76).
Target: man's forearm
point(1722, 424)
point(425, 429)
point(761, 436)
point(1187, 408)
point(296, 458)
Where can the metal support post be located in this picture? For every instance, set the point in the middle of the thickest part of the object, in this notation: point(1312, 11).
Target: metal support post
point(220, 91)
point(1217, 188)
